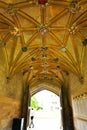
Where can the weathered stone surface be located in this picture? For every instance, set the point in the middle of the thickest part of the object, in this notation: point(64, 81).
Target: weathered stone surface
point(9, 109)
point(11, 90)
point(77, 87)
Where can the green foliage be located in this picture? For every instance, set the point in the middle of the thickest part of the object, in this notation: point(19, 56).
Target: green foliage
point(35, 103)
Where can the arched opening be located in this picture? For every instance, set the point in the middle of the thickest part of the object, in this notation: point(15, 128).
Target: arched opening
point(47, 110)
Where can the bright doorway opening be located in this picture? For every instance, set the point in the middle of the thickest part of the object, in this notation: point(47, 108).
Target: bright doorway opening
point(47, 111)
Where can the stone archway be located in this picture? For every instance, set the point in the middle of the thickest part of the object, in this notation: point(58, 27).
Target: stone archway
point(49, 113)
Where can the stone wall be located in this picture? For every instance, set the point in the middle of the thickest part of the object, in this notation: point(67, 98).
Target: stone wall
point(9, 108)
point(77, 87)
point(10, 101)
point(11, 91)
point(79, 97)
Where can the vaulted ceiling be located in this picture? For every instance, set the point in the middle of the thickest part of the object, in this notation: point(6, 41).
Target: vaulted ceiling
point(43, 39)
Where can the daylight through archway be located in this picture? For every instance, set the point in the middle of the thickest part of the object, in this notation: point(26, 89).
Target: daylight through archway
point(47, 111)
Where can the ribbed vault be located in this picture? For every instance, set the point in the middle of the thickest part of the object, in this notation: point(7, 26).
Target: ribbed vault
point(44, 86)
point(43, 39)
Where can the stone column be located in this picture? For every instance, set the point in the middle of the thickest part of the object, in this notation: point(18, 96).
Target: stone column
point(26, 103)
point(67, 114)
point(28, 111)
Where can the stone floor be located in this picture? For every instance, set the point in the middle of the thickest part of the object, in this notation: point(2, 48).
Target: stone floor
point(46, 124)
point(47, 121)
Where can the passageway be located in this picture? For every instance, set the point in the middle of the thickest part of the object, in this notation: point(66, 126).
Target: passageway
point(50, 115)
point(43, 46)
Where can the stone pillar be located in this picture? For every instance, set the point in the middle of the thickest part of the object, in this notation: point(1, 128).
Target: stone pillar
point(26, 101)
point(28, 111)
point(67, 114)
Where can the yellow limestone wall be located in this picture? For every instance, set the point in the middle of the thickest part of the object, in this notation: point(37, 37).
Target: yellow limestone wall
point(9, 108)
point(78, 88)
point(10, 96)
point(79, 96)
